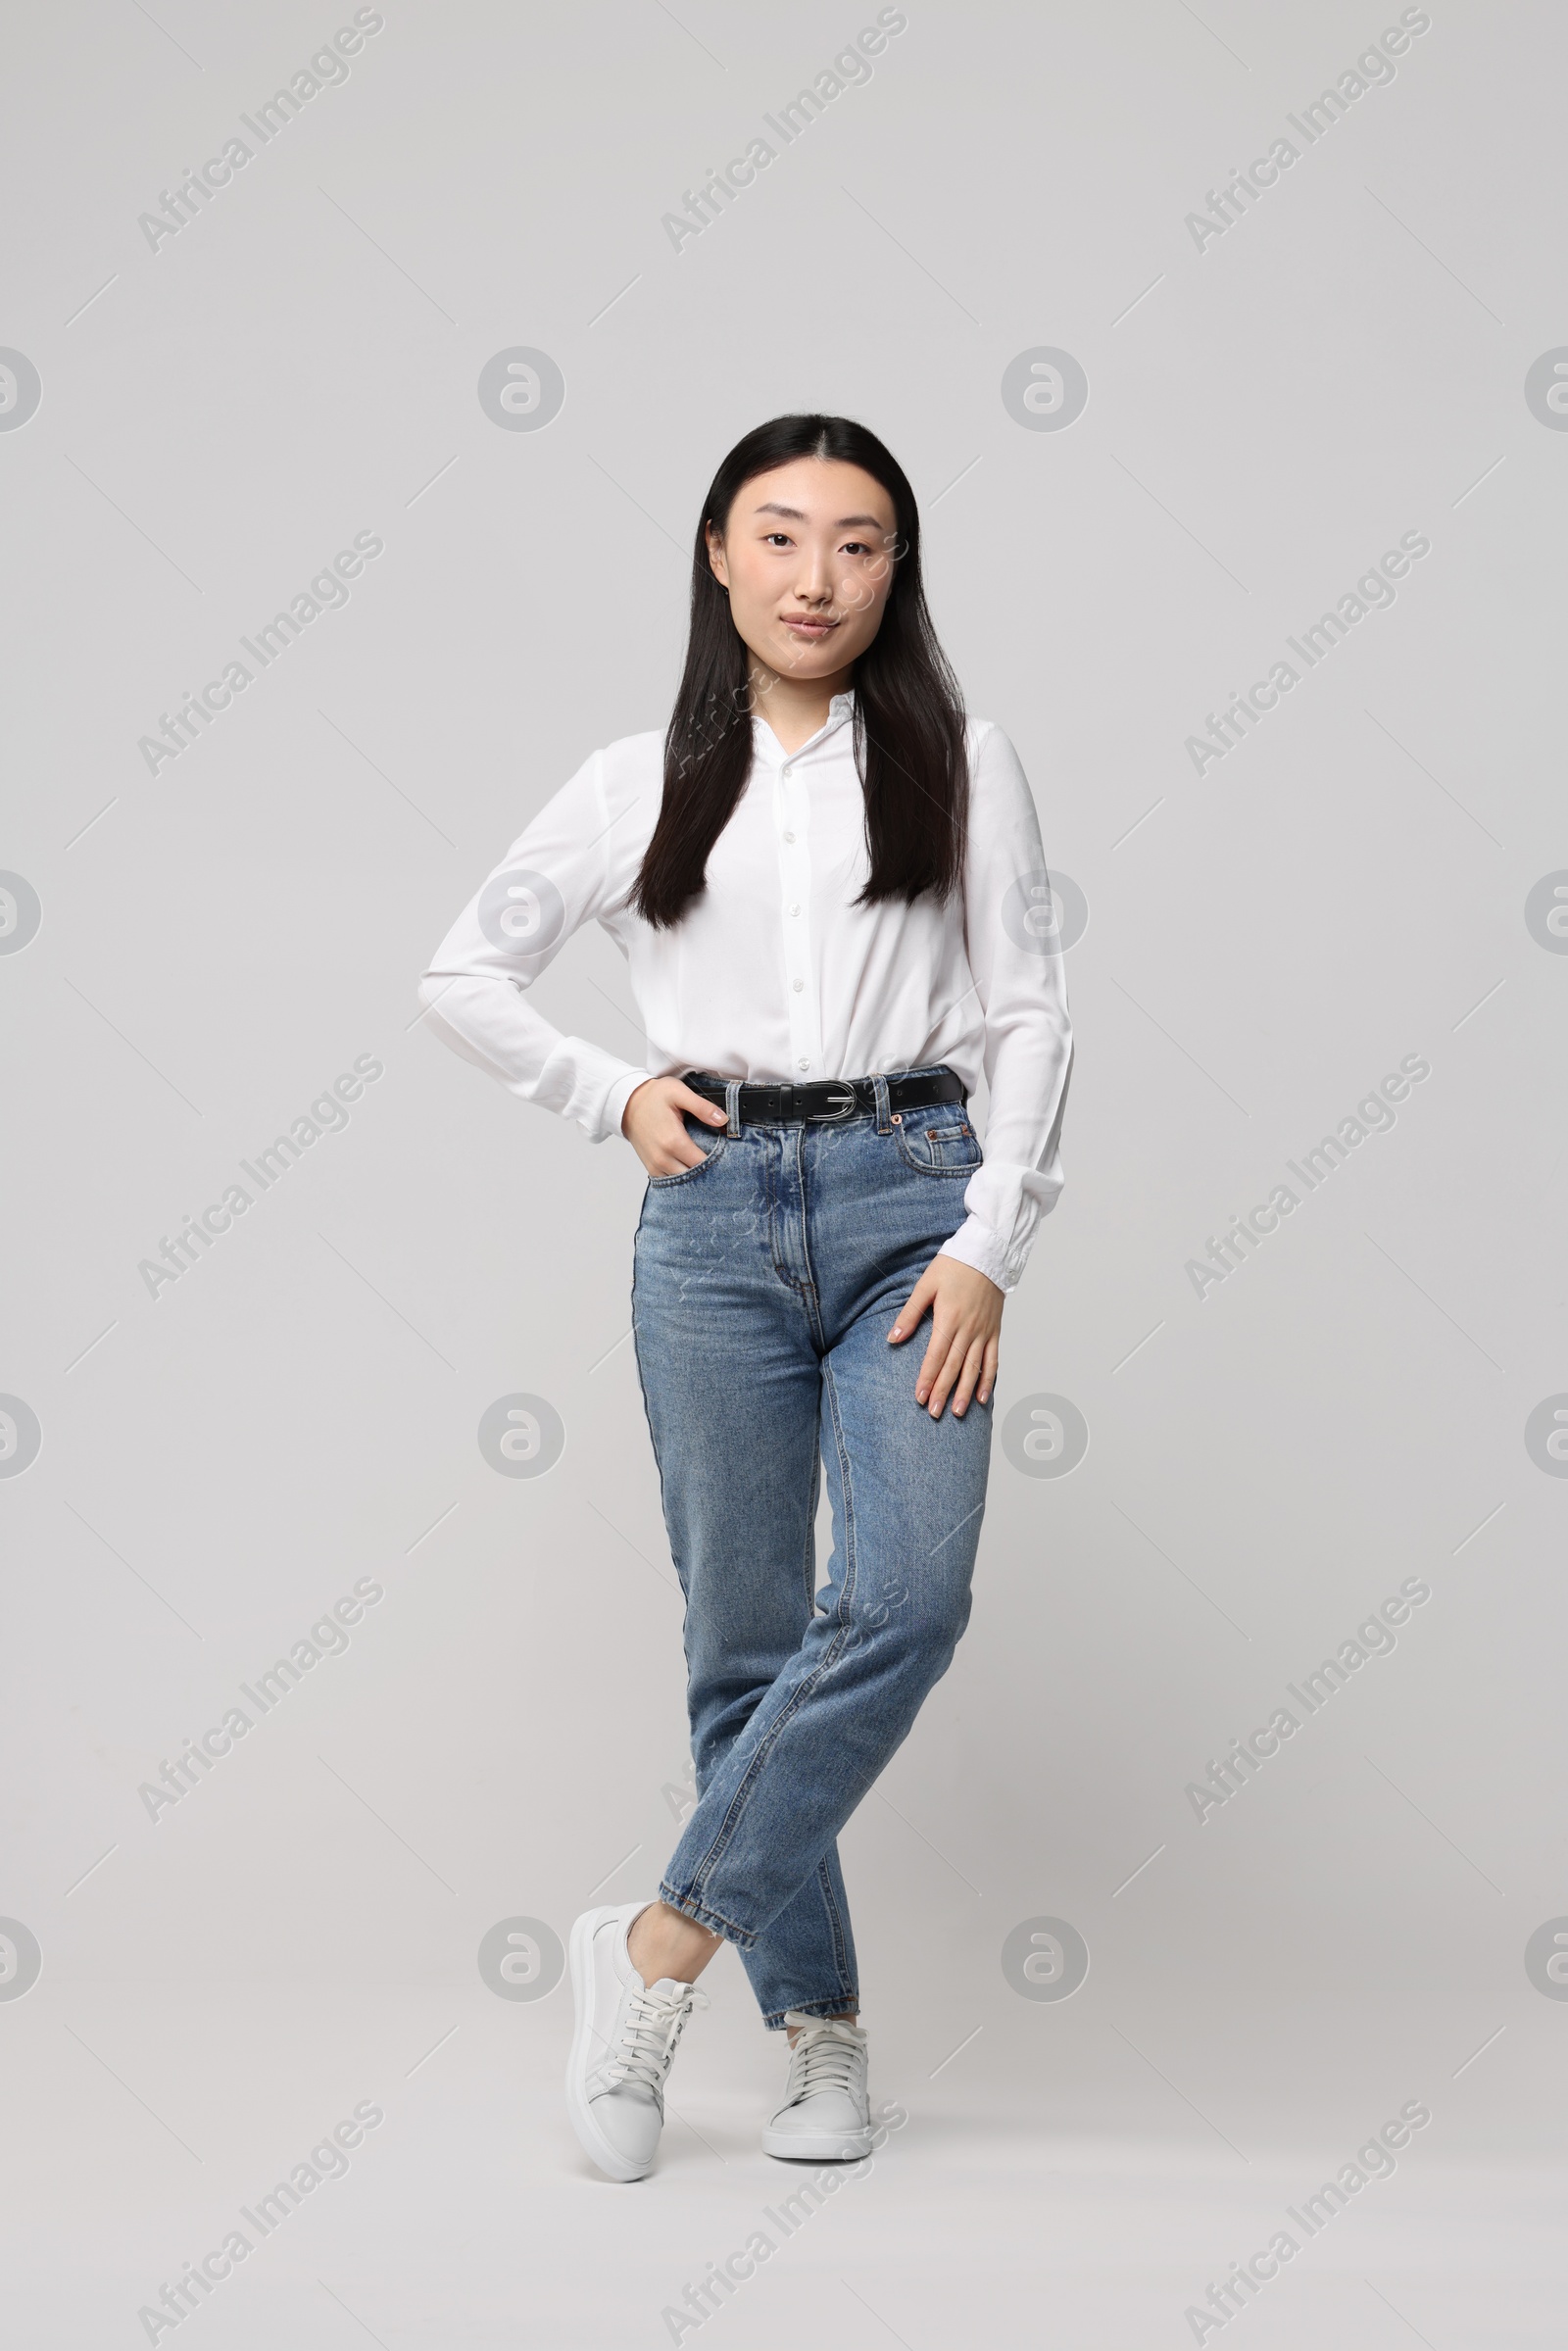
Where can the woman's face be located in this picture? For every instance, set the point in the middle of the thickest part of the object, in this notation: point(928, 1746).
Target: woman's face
point(808, 557)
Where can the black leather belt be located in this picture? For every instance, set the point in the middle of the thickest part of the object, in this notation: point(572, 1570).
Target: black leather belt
point(831, 1099)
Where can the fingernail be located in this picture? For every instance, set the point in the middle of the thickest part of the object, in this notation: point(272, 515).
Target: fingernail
point(897, 1331)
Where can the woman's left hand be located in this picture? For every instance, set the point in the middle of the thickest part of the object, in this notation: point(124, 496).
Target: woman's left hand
point(961, 1361)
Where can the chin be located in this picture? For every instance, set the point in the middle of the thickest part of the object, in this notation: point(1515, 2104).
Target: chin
point(802, 659)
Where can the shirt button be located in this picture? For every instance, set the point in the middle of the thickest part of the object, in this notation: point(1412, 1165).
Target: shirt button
point(795, 910)
point(789, 837)
point(803, 1064)
point(799, 985)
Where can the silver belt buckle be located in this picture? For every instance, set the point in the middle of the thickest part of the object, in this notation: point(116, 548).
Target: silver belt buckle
point(837, 1117)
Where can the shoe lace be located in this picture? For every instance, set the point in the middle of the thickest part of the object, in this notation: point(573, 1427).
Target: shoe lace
point(826, 2056)
point(655, 2021)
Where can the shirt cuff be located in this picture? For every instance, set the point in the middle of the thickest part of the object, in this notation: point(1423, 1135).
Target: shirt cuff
point(616, 1100)
point(977, 1244)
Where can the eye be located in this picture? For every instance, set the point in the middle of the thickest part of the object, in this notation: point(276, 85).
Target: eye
point(776, 538)
point(857, 547)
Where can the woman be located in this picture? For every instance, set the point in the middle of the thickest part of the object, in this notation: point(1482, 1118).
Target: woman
point(829, 888)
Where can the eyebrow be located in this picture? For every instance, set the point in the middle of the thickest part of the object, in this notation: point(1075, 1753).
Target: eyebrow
point(793, 514)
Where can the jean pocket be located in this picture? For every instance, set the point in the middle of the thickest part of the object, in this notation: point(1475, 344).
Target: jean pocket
point(944, 1145)
point(712, 1147)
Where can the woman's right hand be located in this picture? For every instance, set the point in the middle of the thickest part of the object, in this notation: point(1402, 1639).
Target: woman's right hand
point(652, 1125)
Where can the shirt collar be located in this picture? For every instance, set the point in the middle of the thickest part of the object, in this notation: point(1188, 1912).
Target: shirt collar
point(839, 710)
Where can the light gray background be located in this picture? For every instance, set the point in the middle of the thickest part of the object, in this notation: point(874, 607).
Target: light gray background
point(506, 1732)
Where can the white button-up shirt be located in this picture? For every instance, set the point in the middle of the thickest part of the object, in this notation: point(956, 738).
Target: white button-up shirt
point(774, 973)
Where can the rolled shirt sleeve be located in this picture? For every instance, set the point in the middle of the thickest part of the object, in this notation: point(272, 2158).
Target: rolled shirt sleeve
point(1016, 957)
point(565, 870)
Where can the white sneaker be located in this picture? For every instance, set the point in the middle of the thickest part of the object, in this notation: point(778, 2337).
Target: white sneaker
point(826, 2114)
point(625, 2038)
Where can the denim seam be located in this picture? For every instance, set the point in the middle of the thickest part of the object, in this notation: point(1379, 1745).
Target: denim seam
point(809, 1288)
point(824, 1879)
point(809, 1554)
point(667, 1183)
point(846, 1480)
point(689, 1906)
point(922, 1167)
point(833, 2005)
point(724, 1834)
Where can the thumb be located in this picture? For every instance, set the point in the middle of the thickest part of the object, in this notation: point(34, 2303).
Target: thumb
point(683, 1098)
point(912, 1312)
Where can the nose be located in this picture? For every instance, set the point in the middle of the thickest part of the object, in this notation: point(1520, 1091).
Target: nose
point(813, 582)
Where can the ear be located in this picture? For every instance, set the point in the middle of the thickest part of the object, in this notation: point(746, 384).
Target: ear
point(716, 555)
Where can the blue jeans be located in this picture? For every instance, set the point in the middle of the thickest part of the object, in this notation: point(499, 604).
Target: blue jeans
point(766, 1280)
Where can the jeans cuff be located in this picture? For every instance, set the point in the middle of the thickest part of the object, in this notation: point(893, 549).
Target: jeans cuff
point(841, 2004)
point(689, 1907)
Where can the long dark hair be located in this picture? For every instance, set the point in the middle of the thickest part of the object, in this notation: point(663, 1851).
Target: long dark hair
point(909, 720)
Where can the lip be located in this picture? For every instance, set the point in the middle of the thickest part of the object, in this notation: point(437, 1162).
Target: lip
point(808, 628)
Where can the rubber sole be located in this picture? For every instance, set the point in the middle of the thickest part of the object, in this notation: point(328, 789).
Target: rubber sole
point(817, 2146)
point(590, 2137)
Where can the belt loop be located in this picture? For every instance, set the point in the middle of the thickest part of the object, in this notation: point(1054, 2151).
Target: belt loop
point(732, 1104)
point(879, 1086)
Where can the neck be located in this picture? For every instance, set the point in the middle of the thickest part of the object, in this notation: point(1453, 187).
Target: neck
point(795, 707)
